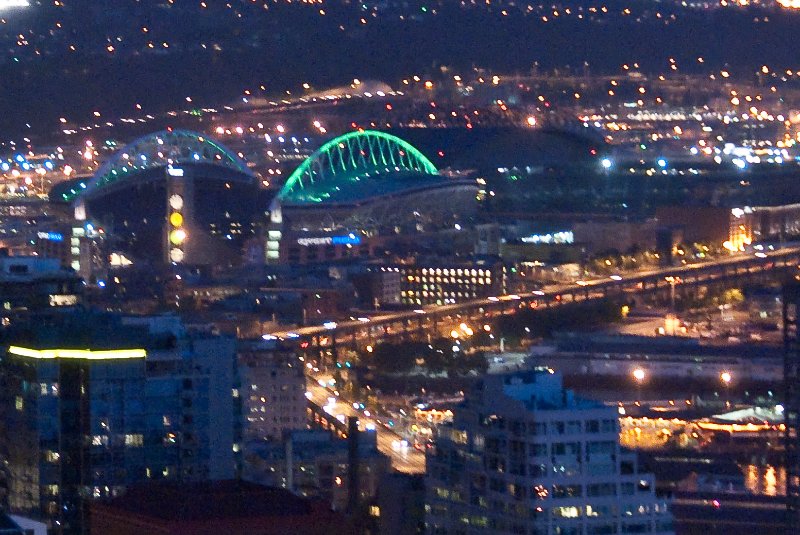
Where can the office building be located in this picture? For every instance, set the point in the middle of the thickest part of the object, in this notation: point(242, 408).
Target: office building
point(525, 456)
point(439, 282)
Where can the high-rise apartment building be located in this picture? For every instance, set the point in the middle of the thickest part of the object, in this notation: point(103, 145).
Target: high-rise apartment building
point(147, 401)
point(525, 456)
point(273, 391)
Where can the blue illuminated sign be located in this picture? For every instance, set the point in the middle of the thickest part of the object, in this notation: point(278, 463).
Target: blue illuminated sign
point(52, 236)
point(350, 239)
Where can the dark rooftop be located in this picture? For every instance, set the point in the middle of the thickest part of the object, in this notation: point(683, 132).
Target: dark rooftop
point(203, 501)
point(664, 345)
point(80, 329)
point(7, 525)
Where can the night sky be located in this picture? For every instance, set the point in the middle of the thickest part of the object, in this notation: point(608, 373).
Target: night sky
point(215, 54)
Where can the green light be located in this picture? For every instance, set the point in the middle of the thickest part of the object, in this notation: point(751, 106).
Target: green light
point(352, 157)
point(114, 169)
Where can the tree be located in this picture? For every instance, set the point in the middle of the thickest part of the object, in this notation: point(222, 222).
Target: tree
point(397, 357)
point(393, 358)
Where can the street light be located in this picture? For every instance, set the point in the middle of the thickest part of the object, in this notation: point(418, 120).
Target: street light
point(726, 377)
point(639, 375)
point(672, 281)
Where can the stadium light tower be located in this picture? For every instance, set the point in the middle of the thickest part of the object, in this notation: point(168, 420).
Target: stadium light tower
point(180, 204)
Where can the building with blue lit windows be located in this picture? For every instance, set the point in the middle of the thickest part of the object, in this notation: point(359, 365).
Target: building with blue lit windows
point(146, 401)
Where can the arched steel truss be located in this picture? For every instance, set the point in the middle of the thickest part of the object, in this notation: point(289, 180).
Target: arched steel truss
point(352, 157)
point(160, 149)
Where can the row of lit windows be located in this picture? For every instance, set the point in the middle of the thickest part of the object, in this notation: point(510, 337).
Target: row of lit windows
point(571, 427)
point(450, 280)
point(436, 286)
point(447, 301)
point(275, 420)
point(48, 389)
point(576, 511)
point(438, 293)
point(133, 440)
point(453, 271)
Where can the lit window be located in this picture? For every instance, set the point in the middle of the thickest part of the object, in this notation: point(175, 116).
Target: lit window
point(135, 440)
point(566, 512)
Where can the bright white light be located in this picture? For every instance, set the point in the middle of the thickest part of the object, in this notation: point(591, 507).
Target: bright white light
point(662, 162)
point(8, 4)
point(606, 163)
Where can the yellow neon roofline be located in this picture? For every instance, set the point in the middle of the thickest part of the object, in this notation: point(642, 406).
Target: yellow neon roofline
point(77, 353)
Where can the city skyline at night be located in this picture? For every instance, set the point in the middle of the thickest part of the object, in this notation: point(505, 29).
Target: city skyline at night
point(399, 267)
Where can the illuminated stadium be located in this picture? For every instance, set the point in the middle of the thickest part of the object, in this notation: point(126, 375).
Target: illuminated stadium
point(220, 199)
point(359, 185)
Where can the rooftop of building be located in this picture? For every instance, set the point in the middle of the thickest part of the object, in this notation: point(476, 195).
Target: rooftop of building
point(538, 389)
point(30, 268)
point(310, 443)
point(7, 525)
point(490, 148)
point(358, 189)
point(436, 261)
point(661, 345)
point(209, 500)
point(83, 329)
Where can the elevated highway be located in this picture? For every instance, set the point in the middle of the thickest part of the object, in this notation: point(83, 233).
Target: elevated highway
point(369, 330)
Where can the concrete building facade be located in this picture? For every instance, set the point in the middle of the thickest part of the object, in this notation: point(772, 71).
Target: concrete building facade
point(525, 456)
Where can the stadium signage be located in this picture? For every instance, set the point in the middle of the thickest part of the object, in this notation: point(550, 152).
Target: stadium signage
point(349, 239)
point(52, 236)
